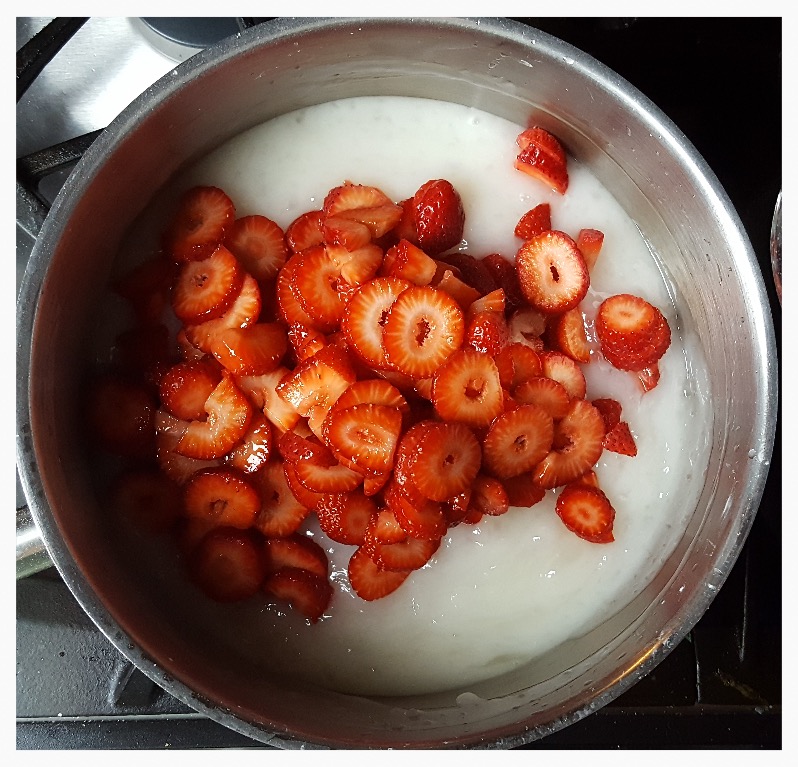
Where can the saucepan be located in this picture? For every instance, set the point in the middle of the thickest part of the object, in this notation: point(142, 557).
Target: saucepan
point(504, 68)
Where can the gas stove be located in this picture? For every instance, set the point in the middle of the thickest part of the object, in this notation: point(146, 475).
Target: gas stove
point(721, 686)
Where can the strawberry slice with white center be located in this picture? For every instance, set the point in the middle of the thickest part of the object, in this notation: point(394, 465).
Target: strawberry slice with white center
point(466, 388)
point(255, 448)
point(307, 498)
point(346, 232)
point(365, 317)
point(447, 461)
point(633, 334)
point(305, 231)
point(368, 580)
point(517, 441)
point(344, 517)
point(534, 221)
point(296, 550)
point(379, 220)
point(281, 514)
point(307, 593)
point(261, 390)
point(566, 333)
point(552, 273)
point(565, 371)
point(222, 496)
point(527, 326)
point(259, 244)
point(349, 196)
point(409, 554)
point(147, 499)
point(364, 436)
point(245, 310)
point(408, 262)
point(305, 340)
point(383, 528)
point(543, 157)
point(253, 350)
point(546, 393)
point(578, 441)
point(489, 496)
point(424, 327)
point(228, 416)
point(313, 284)
point(203, 216)
point(186, 386)
point(438, 216)
point(227, 565)
point(587, 512)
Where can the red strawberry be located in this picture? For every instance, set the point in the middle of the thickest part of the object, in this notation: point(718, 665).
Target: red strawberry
point(307, 498)
point(416, 515)
point(203, 216)
point(578, 439)
point(534, 221)
point(458, 289)
point(147, 499)
point(383, 528)
point(542, 156)
point(364, 437)
point(546, 393)
point(373, 391)
point(589, 242)
point(456, 508)
point(222, 496)
point(356, 266)
point(349, 196)
point(344, 517)
point(620, 440)
point(253, 350)
point(177, 467)
point(567, 334)
point(552, 272)
point(649, 377)
point(409, 554)
point(369, 581)
point(186, 386)
point(280, 514)
point(447, 462)
point(610, 410)
point(438, 216)
point(565, 371)
point(487, 331)
point(147, 286)
point(313, 284)
point(305, 231)
point(423, 328)
point(261, 390)
point(472, 271)
point(466, 388)
point(379, 219)
point(296, 550)
point(305, 340)
point(204, 289)
point(259, 244)
point(517, 363)
point(489, 497)
point(227, 565)
point(306, 592)
point(523, 491)
point(289, 308)
point(494, 301)
point(587, 512)
point(321, 478)
point(517, 441)
point(632, 333)
point(408, 262)
point(255, 448)
point(506, 277)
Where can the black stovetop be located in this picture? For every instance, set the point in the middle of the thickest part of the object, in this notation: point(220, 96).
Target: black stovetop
point(719, 80)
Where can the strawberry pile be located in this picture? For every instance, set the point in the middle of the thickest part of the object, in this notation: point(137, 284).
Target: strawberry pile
point(358, 369)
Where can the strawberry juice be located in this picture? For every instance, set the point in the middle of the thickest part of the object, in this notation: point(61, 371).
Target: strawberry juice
point(501, 593)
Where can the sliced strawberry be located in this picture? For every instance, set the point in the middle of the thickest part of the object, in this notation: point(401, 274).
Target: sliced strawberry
point(384, 528)
point(349, 196)
point(424, 327)
point(523, 491)
point(228, 415)
point(589, 478)
point(406, 228)
point(578, 439)
point(244, 311)
point(565, 371)
point(632, 333)
point(438, 216)
point(447, 462)
point(344, 517)
point(288, 306)
point(542, 156)
point(487, 332)
point(369, 581)
point(610, 410)
point(147, 499)
point(494, 301)
point(418, 516)
point(296, 551)
point(177, 467)
point(306, 592)
point(364, 436)
point(506, 277)
point(517, 363)
point(458, 289)
point(280, 514)
point(566, 333)
point(356, 266)
point(294, 446)
point(147, 287)
point(120, 415)
point(313, 283)
point(186, 386)
point(409, 554)
point(372, 391)
point(489, 497)
point(346, 232)
point(222, 496)
point(253, 350)
point(379, 219)
point(408, 262)
point(589, 242)
point(188, 352)
point(204, 289)
point(466, 388)
point(648, 377)
point(527, 327)
point(534, 222)
point(472, 271)
point(305, 340)
point(307, 498)
point(203, 216)
point(587, 512)
point(259, 244)
point(552, 272)
point(365, 317)
point(305, 231)
point(262, 392)
point(620, 440)
point(255, 448)
point(227, 565)
point(517, 441)
point(334, 478)
point(546, 393)
point(456, 508)
point(373, 483)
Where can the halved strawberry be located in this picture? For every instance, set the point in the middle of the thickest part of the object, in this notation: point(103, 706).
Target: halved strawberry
point(517, 441)
point(227, 565)
point(305, 231)
point(523, 491)
point(552, 272)
point(587, 512)
point(259, 244)
point(228, 416)
point(204, 289)
point(364, 436)
point(619, 439)
point(222, 496)
point(466, 388)
point(589, 242)
point(566, 333)
point(147, 499)
point(542, 156)
point(408, 262)
point(447, 462)
point(280, 514)
point(534, 221)
point(306, 592)
point(409, 554)
point(438, 216)
point(296, 550)
point(186, 386)
point(313, 284)
point(253, 350)
point(147, 286)
point(255, 448)
point(633, 334)
point(344, 517)
point(578, 439)
point(203, 216)
point(368, 580)
point(564, 370)
point(517, 363)
point(506, 277)
point(487, 332)
point(489, 496)
point(365, 317)
point(424, 327)
point(418, 516)
point(546, 393)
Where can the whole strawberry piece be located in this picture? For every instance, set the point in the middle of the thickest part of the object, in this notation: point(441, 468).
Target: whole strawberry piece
point(439, 216)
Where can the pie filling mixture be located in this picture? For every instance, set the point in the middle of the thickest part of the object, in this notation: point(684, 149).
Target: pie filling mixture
point(397, 394)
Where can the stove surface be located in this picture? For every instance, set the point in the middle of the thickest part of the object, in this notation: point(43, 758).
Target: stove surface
point(721, 686)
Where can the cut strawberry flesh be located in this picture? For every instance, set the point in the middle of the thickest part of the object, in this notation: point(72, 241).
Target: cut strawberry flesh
point(221, 496)
point(587, 512)
point(227, 565)
point(259, 244)
point(298, 551)
point(203, 217)
point(307, 592)
point(369, 581)
point(252, 350)
point(466, 388)
point(517, 441)
point(633, 334)
point(542, 156)
point(280, 514)
point(205, 289)
point(344, 517)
